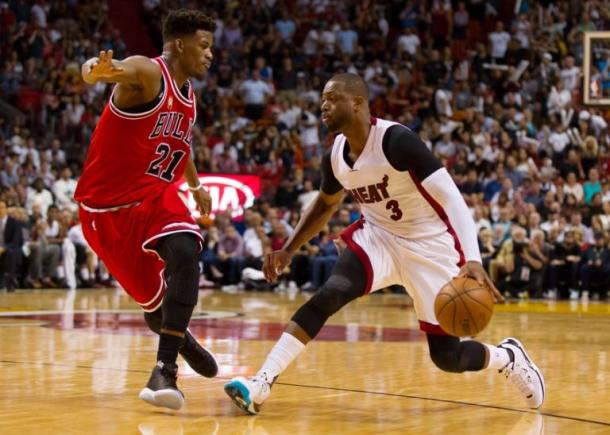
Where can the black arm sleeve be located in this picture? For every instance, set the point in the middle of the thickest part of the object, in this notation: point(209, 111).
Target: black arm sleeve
point(329, 185)
point(406, 152)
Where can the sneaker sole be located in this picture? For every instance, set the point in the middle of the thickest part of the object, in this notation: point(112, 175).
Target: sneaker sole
point(240, 395)
point(167, 398)
point(519, 345)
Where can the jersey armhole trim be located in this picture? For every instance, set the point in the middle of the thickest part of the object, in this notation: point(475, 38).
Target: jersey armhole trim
point(128, 115)
point(173, 84)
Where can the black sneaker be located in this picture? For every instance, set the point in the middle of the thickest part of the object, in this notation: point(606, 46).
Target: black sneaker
point(198, 357)
point(161, 389)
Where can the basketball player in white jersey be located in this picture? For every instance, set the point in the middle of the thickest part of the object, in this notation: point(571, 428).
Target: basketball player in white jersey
point(415, 230)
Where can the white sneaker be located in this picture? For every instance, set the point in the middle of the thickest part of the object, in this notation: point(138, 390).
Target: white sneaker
point(523, 373)
point(573, 295)
point(248, 394)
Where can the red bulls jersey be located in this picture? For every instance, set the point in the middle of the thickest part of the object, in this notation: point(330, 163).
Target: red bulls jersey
point(133, 155)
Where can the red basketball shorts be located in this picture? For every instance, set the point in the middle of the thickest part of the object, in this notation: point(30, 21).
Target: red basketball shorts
point(124, 239)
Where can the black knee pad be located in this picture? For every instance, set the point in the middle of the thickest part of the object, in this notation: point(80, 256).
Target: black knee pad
point(337, 292)
point(180, 253)
point(452, 355)
point(310, 318)
point(346, 283)
point(447, 361)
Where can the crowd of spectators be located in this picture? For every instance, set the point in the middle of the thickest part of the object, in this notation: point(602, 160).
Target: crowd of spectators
point(494, 88)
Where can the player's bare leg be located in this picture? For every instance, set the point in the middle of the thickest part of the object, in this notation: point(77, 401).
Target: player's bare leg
point(181, 275)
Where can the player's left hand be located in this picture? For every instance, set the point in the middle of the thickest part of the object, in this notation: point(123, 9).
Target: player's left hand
point(204, 200)
point(474, 269)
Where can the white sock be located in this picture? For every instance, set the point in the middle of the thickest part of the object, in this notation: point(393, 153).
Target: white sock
point(498, 357)
point(283, 353)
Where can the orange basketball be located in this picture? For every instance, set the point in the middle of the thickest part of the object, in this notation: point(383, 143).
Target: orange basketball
point(463, 307)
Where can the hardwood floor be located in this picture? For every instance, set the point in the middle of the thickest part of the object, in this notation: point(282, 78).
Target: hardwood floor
point(74, 362)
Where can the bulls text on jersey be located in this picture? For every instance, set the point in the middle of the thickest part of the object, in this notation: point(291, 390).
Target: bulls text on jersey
point(169, 124)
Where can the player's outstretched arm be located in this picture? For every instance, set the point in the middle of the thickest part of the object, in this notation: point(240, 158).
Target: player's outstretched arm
point(134, 70)
point(311, 223)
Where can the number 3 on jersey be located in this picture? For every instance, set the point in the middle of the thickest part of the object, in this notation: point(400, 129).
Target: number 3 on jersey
point(395, 208)
point(163, 150)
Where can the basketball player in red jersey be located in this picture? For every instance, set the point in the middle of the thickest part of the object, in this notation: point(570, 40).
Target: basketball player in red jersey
point(415, 230)
point(130, 210)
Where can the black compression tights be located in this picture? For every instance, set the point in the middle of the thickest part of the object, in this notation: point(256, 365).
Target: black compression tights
point(452, 355)
point(179, 251)
point(346, 283)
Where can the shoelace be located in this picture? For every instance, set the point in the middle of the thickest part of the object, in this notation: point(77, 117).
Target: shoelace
point(169, 373)
point(261, 384)
point(521, 380)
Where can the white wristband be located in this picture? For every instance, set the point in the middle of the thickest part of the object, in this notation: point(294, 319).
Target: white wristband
point(196, 188)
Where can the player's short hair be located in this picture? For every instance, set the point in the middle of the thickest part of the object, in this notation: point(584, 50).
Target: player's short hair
point(180, 22)
point(353, 84)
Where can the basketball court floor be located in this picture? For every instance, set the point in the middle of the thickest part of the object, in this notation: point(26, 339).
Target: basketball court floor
point(74, 362)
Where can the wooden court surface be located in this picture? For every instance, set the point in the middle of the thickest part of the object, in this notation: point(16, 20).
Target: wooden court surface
point(74, 362)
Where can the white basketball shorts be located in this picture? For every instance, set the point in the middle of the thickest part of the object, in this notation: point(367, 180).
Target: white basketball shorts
point(422, 266)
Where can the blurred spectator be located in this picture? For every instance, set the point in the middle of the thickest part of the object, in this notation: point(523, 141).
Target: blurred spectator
point(499, 40)
point(324, 259)
point(488, 250)
point(592, 186)
point(540, 250)
point(408, 42)
point(573, 187)
point(43, 258)
point(255, 93)
point(494, 91)
point(39, 194)
point(286, 26)
point(564, 267)
point(525, 261)
point(595, 269)
point(231, 255)
point(307, 196)
point(11, 242)
point(63, 190)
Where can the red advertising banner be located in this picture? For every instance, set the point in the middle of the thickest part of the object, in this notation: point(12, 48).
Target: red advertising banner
point(228, 192)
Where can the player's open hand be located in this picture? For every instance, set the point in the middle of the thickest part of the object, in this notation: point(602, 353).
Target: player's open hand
point(103, 68)
point(275, 263)
point(474, 269)
point(203, 200)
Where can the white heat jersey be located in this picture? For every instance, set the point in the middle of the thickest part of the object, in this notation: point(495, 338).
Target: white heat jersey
point(391, 199)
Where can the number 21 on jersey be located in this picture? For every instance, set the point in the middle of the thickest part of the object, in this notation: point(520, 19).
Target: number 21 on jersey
point(164, 151)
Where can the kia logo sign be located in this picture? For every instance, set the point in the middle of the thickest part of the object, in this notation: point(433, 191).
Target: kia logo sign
point(228, 192)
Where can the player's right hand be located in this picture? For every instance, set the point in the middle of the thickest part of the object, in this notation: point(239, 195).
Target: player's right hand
point(275, 263)
point(475, 270)
point(102, 68)
point(203, 200)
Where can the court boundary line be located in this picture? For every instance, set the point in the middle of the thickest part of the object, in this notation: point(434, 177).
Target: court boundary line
point(456, 402)
point(348, 390)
